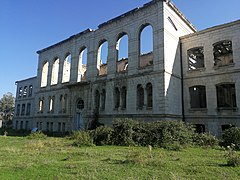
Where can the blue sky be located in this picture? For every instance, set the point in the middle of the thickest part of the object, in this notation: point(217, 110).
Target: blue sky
point(30, 25)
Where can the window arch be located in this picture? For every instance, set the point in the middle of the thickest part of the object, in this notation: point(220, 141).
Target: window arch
point(55, 70)
point(149, 91)
point(44, 77)
point(102, 57)
point(67, 68)
point(80, 104)
point(82, 64)
point(122, 52)
point(30, 90)
point(20, 92)
point(140, 96)
point(124, 97)
point(116, 98)
point(146, 45)
point(25, 91)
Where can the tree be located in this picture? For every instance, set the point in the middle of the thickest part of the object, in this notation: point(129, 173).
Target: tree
point(7, 106)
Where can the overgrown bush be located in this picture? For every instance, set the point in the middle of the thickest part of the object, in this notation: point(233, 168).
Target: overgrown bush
point(231, 136)
point(206, 139)
point(161, 133)
point(37, 135)
point(233, 159)
point(81, 138)
point(123, 132)
point(102, 136)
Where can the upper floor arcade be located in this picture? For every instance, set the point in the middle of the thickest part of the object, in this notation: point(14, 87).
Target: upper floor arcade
point(129, 44)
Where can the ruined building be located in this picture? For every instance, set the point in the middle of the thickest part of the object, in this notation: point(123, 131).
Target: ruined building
point(188, 75)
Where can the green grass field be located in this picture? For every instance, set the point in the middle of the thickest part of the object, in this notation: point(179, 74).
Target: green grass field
point(56, 158)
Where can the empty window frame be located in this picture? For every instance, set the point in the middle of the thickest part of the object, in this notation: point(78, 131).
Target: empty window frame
point(47, 127)
point(80, 104)
point(149, 91)
point(116, 98)
point(28, 109)
point(30, 91)
point(67, 68)
point(195, 58)
point(51, 104)
point(140, 96)
point(146, 45)
point(102, 58)
point(23, 110)
point(63, 103)
point(44, 77)
point(25, 91)
point(122, 52)
point(18, 110)
point(124, 97)
point(226, 96)
point(198, 97)
point(21, 125)
point(223, 54)
point(40, 107)
point(51, 126)
point(226, 126)
point(16, 125)
point(55, 71)
point(82, 64)
point(20, 91)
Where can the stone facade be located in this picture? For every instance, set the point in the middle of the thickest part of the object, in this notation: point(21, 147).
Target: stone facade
point(69, 94)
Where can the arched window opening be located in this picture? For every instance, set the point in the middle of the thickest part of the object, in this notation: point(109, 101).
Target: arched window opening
point(25, 91)
point(40, 105)
point(122, 52)
point(103, 99)
point(44, 75)
point(51, 104)
point(226, 96)
point(198, 97)
point(18, 110)
point(140, 96)
point(20, 92)
point(124, 97)
point(149, 95)
point(146, 46)
point(195, 58)
point(66, 68)
point(82, 65)
point(23, 110)
point(80, 104)
point(97, 100)
point(28, 109)
point(63, 103)
point(30, 90)
point(55, 70)
point(102, 58)
point(223, 54)
point(116, 98)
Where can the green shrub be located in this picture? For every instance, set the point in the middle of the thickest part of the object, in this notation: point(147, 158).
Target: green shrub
point(123, 132)
point(161, 133)
point(206, 139)
point(233, 159)
point(37, 135)
point(232, 136)
point(102, 135)
point(82, 138)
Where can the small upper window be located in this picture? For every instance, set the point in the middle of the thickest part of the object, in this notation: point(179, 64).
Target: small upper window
point(80, 104)
point(195, 58)
point(25, 91)
point(20, 92)
point(223, 54)
point(30, 90)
